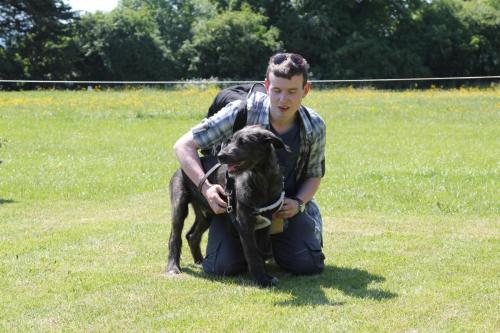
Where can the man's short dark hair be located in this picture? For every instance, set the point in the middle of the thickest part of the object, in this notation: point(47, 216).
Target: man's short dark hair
point(287, 65)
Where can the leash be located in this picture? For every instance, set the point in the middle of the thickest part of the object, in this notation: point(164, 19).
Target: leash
point(204, 179)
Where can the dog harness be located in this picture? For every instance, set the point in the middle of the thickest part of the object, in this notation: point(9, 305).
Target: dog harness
point(263, 214)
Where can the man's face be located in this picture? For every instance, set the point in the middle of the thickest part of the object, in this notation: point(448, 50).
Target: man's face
point(285, 95)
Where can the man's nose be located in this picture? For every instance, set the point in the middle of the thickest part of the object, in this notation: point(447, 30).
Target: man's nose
point(283, 97)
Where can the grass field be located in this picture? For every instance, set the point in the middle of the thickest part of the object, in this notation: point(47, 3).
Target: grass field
point(411, 205)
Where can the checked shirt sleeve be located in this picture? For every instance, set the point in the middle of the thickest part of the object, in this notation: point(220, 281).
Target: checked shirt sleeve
point(316, 164)
point(216, 129)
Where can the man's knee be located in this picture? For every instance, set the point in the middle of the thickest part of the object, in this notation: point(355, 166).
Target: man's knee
point(308, 260)
point(306, 263)
point(222, 268)
point(224, 251)
point(297, 249)
point(224, 259)
point(313, 264)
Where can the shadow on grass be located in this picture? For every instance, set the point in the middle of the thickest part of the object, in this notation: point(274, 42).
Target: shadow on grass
point(310, 290)
point(6, 201)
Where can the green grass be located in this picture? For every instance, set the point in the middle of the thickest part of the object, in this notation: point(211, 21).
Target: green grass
point(410, 202)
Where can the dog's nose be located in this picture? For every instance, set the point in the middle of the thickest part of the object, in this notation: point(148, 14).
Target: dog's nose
point(222, 157)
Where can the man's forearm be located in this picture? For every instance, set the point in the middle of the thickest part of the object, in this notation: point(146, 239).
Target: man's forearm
point(187, 154)
point(308, 189)
point(186, 151)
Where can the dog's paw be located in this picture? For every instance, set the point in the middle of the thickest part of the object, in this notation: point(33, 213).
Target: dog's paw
point(268, 281)
point(172, 270)
point(198, 258)
point(274, 281)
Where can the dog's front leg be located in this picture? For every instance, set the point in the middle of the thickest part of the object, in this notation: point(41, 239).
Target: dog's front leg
point(245, 225)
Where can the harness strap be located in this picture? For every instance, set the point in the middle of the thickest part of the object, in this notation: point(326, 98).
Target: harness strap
point(229, 191)
point(258, 211)
point(231, 200)
point(204, 179)
point(276, 204)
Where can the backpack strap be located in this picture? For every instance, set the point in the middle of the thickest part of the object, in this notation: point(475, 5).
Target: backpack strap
point(242, 93)
point(241, 116)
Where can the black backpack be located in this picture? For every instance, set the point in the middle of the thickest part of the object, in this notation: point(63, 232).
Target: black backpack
point(233, 93)
point(228, 95)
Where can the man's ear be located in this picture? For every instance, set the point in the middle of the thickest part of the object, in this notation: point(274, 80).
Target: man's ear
point(307, 88)
point(267, 84)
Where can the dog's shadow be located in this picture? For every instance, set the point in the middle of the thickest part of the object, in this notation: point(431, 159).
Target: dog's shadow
point(310, 290)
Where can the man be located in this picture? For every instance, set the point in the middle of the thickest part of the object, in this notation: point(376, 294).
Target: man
point(298, 248)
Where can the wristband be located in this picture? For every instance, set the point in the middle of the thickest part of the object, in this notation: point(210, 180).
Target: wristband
point(302, 206)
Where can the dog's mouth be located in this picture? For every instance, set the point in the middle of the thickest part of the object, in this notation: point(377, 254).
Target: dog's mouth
point(234, 167)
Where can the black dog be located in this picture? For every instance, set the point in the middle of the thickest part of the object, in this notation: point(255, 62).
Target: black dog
point(252, 178)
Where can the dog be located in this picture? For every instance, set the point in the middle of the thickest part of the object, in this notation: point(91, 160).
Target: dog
point(252, 178)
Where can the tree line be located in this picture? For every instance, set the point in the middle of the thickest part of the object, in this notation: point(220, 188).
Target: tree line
point(233, 39)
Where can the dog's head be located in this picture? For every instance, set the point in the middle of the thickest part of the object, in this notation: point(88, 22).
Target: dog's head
point(250, 147)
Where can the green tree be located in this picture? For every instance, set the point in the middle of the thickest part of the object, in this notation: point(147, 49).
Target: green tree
point(174, 39)
point(461, 37)
point(232, 44)
point(175, 20)
point(342, 39)
point(140, 40)
point(123, 45)
point(35, 39)
point(483, 21)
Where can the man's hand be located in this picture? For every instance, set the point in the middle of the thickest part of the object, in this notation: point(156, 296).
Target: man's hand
point(186, 152)
point(214, 195)
point(289, 209)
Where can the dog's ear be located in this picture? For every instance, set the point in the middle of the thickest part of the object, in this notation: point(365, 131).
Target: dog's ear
point(276, 142)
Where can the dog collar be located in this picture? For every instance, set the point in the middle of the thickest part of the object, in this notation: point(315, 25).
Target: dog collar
point(270, 209)
point(277, 204)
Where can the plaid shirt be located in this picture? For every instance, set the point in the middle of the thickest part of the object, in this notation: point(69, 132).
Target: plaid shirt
point(218, 129)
